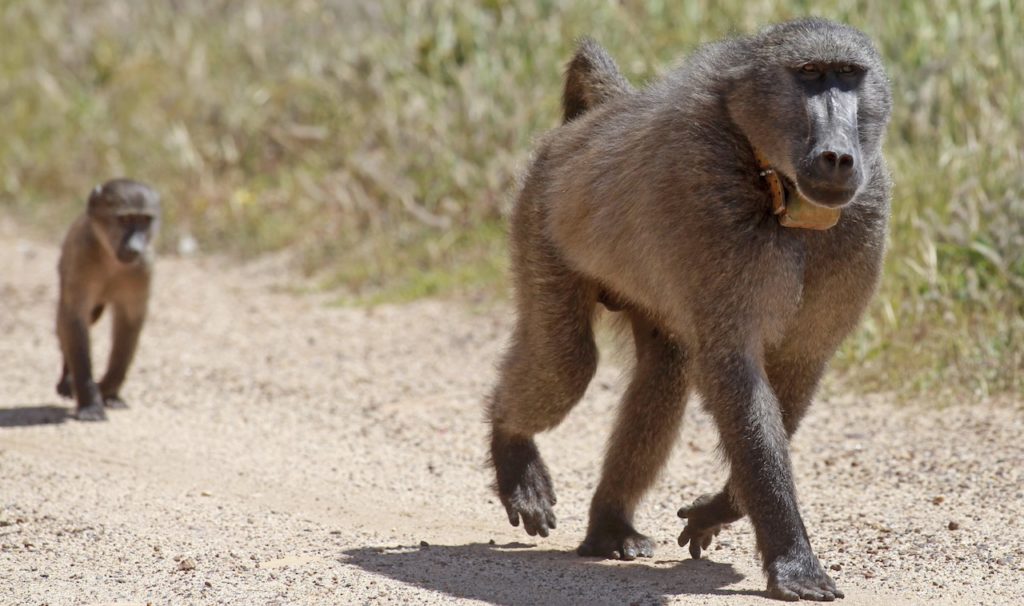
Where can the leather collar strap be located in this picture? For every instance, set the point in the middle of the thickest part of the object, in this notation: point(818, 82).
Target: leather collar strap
point(793, 209)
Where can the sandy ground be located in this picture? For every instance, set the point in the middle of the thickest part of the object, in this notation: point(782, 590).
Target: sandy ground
point(280, 450)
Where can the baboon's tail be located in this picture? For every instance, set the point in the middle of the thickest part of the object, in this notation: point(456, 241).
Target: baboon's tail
point(591, 78)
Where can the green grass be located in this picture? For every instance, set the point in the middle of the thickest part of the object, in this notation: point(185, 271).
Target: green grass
point(382, 141)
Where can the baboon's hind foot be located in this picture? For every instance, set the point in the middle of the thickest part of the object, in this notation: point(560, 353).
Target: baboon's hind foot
point(91, 412)
point(114, 402)
point(800, 577)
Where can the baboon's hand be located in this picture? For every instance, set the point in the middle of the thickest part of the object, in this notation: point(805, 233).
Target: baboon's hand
point(705, 518)
point(800, 576)
point(64, 387)
point(531, 497)
point(523, 483)
point(615, 539)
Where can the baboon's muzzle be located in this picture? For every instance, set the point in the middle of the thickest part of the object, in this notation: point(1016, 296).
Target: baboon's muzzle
point(132, 247)
point(832, 171)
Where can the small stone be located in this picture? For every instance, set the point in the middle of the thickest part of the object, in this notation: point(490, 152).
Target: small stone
point(491, 542)
point(954, 525)
point(938, 500)
point(836, 567)
point(187, 564)
point(424, 544)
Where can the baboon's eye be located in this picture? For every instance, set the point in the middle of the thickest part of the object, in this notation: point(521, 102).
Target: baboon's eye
point(809, 71)
point(848, 70)
point(135, 222)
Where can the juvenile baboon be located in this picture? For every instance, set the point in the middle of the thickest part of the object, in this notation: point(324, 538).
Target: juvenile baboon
point(701, 206)
point(107, 259)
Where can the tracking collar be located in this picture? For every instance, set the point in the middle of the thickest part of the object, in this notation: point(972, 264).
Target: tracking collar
point(792, 209)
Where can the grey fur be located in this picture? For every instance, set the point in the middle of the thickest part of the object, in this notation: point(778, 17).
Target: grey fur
point(652, 200)
point(106, 259)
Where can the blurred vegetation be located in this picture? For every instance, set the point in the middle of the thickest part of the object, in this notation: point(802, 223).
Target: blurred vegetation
point(382, 141)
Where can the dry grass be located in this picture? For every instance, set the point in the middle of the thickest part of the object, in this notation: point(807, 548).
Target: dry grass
point(381, 140)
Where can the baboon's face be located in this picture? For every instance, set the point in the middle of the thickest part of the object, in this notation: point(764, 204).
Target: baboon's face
point(816, 104)
point(828, 162)
point(125, 215)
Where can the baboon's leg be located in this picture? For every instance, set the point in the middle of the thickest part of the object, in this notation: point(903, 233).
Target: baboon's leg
point(73, 331)
point(750, 422)
point(647, 427)
point(64, 385)
point(550, 362)
point(128, 322)
point(794, 379)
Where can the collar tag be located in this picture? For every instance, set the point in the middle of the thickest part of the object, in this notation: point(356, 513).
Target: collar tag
point(793, 209)
point(804, 214)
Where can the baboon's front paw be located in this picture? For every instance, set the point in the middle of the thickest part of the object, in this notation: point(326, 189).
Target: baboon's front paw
point(617, 541)
point(115, 402)
point(91, 412)
point(699, 538)
point(523, 483)
point(64, 387)
point(793, 578)
point(705, 518)
point(531, 499)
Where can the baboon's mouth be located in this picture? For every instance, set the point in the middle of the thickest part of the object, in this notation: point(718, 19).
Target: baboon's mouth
point(828, 195)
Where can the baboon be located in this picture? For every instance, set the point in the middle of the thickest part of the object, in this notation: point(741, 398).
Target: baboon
point(735, 213)
point(106, 259)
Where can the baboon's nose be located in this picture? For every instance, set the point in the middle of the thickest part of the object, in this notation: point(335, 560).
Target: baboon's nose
point(127, 256)
point(837, 163)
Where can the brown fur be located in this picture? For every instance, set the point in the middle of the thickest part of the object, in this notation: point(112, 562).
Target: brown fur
point(106, 259)
point(651, 201)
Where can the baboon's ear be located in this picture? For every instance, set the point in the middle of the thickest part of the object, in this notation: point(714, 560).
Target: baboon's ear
point(735, 74)
point(98, 201)
point(733, 77)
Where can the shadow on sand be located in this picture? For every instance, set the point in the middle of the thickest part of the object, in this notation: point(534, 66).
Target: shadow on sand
point(515, 574)
point(29, 414)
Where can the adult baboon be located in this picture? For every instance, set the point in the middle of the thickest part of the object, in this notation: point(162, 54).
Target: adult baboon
point(702, 206)
point(107, 258)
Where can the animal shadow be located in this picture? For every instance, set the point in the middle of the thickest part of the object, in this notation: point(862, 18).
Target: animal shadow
point(29, 414)
point(517, 575)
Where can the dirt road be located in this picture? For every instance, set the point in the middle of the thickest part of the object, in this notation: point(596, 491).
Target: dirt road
point(281, 450)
